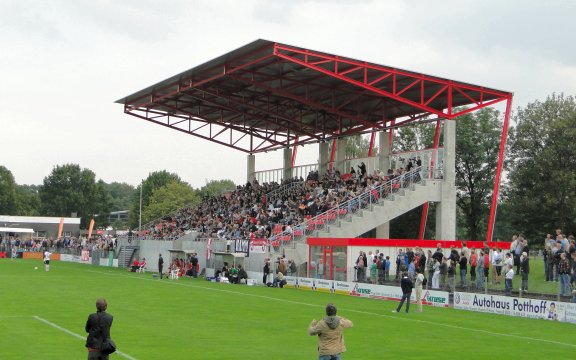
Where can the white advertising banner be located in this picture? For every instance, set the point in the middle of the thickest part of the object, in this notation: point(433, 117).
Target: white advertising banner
point(291, 282)
point(324, 285)
point(513, 306)
point(343, 287)
point(306, 283)
point(571, 313)
point(70, 258)
point(258, 246)
point(429, 297)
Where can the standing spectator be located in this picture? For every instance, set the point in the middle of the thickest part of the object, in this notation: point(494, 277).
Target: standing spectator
point(508, 281)
point(518, 252)
point(194, 261)
point(451, 275)
point(524, 270)
point(473, 262)
point(508, 260)
point(430, 263)
point(486, 265)
point(497, 265)
point(564, 271)
point(406, 285)
point(330, 331)
point(282, 265)
point(361, 267)
point(443, 273)
point(411, 270)
point(98, 328)
point(436, 275)
point(545, 254)
point(373, 272)
point(266, 271)
point(463, 269)
point(549, 262)
point(387, 269)
point(160, 265)
point(480, 271)
point(399, 261)
point(418, 287)
point(381, 268)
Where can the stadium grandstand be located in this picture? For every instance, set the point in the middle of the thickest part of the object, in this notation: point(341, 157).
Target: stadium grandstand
point(268, 96)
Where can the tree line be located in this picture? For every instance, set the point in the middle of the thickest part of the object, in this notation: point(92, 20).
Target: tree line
point(70, 190)
point(537, 193)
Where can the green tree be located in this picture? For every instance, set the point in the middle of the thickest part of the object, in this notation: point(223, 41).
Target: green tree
point(215, 187)
point(7, 192)
point(69, 189)
point(416, 137)
point(28, 200)
point(169, 198)
point(477, 144)
point(542, 186)
point(407, 226)
point(154, 181)
point(121, 195)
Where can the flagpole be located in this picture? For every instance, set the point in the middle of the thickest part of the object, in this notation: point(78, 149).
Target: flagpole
point(140, 212)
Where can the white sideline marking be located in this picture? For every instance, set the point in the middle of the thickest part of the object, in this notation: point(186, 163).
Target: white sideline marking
point(434, 323)
point(126, 356)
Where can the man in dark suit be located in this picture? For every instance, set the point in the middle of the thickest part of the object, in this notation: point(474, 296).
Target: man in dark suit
point(98, 328)
point(406, 285)
point(160, 264)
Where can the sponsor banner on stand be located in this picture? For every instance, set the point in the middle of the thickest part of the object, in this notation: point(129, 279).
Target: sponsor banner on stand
point(258, 246)
point(291, 282)
point(306, 283)
point(429, 297)
point(324, 285)
point(512, 306)
point(343, 287)
point(70, 258)
point(571, 313)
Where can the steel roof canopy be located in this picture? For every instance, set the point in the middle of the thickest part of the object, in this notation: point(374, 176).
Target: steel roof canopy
point(266, 95)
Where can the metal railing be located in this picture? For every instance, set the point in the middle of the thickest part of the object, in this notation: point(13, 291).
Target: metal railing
point(284, 189)
point(367, 198)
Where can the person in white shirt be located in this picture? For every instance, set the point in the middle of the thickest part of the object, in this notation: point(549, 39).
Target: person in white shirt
point(497, 265)
point(508, 280)
point(47, 255)
point(508, 261)
point(418, 286)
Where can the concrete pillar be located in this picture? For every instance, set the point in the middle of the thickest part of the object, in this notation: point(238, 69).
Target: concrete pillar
point(384, 156)
point(383, 231)
point(287, 174)
point(340, 155)
point(446, 208)
point(251, 168)
point(323, 158)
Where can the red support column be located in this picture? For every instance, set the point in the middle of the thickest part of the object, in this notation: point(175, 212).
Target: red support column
point(490, 231)
point(424, 218)
point(294, 151)
point(371, 148)
point(332, 154)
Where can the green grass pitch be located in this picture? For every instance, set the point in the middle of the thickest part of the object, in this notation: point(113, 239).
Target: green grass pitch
point(42, 316)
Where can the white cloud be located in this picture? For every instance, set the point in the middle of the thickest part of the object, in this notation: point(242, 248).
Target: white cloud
point(64, 63)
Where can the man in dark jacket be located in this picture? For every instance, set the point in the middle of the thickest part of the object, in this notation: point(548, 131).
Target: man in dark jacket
point(160, 264)
point(98, 328)
point(406, 285)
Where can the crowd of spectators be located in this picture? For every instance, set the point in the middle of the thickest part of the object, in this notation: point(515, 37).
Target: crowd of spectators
point(66, 244)
point(260, 210)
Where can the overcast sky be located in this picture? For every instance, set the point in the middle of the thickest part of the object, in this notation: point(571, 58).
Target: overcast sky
point(64, 63)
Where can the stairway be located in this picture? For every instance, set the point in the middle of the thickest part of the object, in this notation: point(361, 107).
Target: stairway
point(125, 255)
point(363, 213)
point(382, 211)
